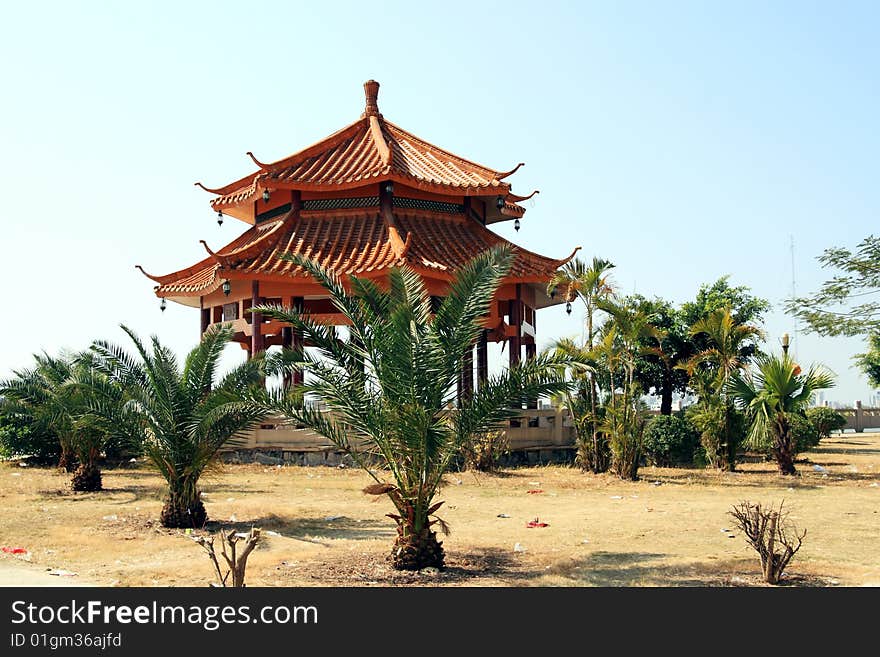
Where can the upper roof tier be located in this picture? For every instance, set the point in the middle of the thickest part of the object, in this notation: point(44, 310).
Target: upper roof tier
point(370, 150)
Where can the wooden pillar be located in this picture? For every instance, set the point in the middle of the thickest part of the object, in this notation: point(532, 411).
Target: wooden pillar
point(515, 313)
point(287, 343)
point(465, 384)
point(514, 342)
point(468, 373)
point(206, 316)
point(297, 303)
point(531, 353)
point(483, 358)
point(256, 321)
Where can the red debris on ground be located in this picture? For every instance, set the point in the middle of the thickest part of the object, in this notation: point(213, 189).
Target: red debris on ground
point(14, 550)
point(536, 523)
point(535, 491)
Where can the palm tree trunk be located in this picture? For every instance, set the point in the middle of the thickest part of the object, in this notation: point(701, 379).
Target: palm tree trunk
point(67, 460)
point(87, 477)
point(416, 549)
point(183, 508)
point(783, 450)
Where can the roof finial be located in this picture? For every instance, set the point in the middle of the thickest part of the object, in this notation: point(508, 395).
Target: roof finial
point(371, 91)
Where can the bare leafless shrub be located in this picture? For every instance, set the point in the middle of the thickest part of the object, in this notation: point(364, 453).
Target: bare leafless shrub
point(236, 562)
point(769, 532)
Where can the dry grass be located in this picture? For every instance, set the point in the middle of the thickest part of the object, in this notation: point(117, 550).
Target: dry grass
point(602, 531)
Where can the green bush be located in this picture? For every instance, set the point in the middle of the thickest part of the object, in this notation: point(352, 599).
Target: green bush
point(19, 437)
point(825, 420)
point(671, 440)
point(804, 433)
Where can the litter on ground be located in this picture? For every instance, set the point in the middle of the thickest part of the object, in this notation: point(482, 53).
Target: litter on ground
point(536, 523)
point(534, 491)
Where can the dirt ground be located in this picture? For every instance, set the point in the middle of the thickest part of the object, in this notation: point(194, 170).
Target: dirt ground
point(664, 530)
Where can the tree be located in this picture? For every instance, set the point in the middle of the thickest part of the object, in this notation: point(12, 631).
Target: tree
point(657, 370)
point(391, 386)
point(727, 349)
point(843, 305)
point(769, 394)
point(43, 395)
point(869, 362)
point(590, 283)
point(744, 307)
point(183, 417)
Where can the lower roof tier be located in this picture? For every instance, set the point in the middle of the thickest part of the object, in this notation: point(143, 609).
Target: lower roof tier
point(352, 242)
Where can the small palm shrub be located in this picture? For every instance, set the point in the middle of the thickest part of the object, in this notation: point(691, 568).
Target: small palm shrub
point(670, 440)
point(625, 420)
point(722, 430)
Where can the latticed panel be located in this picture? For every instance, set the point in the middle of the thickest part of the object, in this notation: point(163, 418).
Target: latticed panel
point(341, 203)
point(431, 206)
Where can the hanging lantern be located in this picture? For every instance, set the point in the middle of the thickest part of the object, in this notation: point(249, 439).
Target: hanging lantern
point(516, 225)
point(219, 218)
point(389, 187)
point(568, 307)
point(265, 196)
point(227, 287)
point(553, 293)
point(499, 202)
point(162, 305)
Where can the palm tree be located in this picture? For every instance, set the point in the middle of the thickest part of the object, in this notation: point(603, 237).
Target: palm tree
point(583, 366)
point(43, 395)
point(391, 386)
point(182, 417)
point(730, 345)
point(621, 346)
point(592, 285)
point(728, 350)
point(777, 388)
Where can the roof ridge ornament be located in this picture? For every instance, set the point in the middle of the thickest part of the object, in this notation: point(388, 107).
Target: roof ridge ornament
point(264, 167)
point(371, 92)
point(216, 257)
point(157, 279)
point(502, 176)
point(208, 189)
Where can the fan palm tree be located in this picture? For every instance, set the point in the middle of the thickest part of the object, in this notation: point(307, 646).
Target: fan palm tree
point(777, 388)
point(391, 386)
point(182, 417)
point(728, 350)
point(44, 396)
point(590, 283)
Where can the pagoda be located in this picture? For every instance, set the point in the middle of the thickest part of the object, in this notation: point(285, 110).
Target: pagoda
point(368, 198)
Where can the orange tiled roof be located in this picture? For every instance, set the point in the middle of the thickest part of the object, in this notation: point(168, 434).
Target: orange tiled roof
point(368, 150)
point(352, 242)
